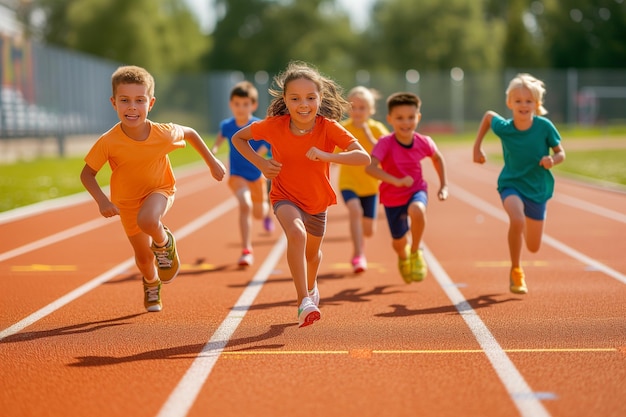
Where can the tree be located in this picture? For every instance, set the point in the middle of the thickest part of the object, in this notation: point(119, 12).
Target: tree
point(160, 35)
point(585, 33)
point(435, 35)
point(264, 35)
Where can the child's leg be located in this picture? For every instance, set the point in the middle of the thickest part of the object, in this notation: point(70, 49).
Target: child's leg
point(514, 208)
point(149, 218)
point(355, 213)
point(399, 246)
point(534, 234)
point(417, 214)
point(144, 258)
point(259, 197)
point(313, 256)
point(295, 232)
point(240, 189)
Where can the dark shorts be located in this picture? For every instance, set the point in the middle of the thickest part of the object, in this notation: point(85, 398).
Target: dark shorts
point(315, 224)
point(398, 216)
point(532, 210)
point(369, 203)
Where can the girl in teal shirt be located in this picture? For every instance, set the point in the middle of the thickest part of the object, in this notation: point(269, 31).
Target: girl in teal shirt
point(525, 183)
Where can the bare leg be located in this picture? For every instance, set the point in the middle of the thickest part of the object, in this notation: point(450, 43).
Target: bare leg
point(514, 208)
point(417, 214)
point(290, 220)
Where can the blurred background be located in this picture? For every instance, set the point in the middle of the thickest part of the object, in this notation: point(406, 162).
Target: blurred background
point(57, 56)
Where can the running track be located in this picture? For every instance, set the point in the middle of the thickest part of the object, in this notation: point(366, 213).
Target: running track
point(75, 339)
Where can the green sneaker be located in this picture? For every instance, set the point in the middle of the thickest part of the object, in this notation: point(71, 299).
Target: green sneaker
point(166, 259)
point(404, 266)
point(418, 266)
point(152, 296)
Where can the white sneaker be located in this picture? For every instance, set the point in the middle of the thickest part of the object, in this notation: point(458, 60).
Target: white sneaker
point(246, 258)
point(315, 295)
point(308, 313)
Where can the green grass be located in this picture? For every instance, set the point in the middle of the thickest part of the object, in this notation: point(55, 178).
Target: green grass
point(29, 182)
point(25, 183)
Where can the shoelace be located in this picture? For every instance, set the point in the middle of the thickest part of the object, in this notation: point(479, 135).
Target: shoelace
point(152, 293)
point(163, 259)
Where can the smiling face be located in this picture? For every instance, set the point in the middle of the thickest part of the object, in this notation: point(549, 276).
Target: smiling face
point(132, 102)
point(360, 110)
point(522, 103)
point(404, 119)
point(302, 98)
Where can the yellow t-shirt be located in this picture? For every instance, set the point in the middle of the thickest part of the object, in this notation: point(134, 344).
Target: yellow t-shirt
point(139, 168)
point(355, 178)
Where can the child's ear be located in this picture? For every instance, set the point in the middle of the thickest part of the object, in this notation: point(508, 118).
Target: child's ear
point(152, 100)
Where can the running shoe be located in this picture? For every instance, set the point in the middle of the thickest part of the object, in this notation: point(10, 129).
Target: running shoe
point(152, 296)
point(517, 281)
point(404, 265)
point(308, 313)
point(418, 266)
point(268, 224)
point(315, 295)
point(246, 258)
point(359, 264)
point(166, 259)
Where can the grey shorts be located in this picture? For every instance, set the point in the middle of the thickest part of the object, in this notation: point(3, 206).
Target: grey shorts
point(314, 224)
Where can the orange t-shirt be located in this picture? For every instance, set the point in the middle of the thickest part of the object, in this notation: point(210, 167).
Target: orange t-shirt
point(302, 181)
point(139, 168)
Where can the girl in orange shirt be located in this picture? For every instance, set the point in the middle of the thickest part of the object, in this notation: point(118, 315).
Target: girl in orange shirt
point(302, 128)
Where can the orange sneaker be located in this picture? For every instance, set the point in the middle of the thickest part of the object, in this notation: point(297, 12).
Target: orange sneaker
point(517, 281)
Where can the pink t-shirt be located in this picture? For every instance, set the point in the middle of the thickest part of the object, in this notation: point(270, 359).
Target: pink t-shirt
point(302, 181)
point(400, 161)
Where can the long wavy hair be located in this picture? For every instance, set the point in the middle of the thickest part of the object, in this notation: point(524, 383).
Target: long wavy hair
point(333, 105)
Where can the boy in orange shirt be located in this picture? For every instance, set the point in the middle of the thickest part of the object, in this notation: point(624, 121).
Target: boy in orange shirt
point(142, 180)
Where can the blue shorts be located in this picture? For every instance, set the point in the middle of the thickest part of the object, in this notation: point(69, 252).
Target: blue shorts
point(532, 210)
point(398, 216)
point(369, 203)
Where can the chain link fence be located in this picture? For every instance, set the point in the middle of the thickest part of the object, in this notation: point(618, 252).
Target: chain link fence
point(49, 92)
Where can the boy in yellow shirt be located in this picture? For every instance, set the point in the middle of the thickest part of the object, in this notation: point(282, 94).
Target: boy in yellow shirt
point(142, 179)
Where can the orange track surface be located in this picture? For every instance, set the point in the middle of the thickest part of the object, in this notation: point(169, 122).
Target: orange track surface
point(76, 341)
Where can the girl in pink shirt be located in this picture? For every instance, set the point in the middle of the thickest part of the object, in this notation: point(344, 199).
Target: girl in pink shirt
point(303, 130)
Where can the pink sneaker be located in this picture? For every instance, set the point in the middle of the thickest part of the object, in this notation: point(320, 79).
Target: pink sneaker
point(359, 264)
point(246, 258)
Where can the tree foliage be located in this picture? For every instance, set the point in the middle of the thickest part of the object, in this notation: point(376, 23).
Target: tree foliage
point(160, 35)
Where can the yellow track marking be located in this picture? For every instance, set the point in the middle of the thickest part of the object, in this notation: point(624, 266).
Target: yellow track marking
point(367, 353)
point(43, 268)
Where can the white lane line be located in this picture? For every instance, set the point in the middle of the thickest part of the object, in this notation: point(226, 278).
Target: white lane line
point(523, 397)
point(55, 238)
point(590, 207)
point(116, 270)
point(499, 214)
point(184, 395)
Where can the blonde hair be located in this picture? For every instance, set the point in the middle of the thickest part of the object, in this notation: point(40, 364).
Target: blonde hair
point(332, 106)
point(368, 95)
point(131, 74)
point(534, 85)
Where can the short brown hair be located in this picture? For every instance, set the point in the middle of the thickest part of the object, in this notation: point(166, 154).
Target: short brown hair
point(131, 74)
point(245, 89)
point(403, 99)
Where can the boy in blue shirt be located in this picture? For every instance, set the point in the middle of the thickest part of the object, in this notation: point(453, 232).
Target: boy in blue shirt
point(245, 180)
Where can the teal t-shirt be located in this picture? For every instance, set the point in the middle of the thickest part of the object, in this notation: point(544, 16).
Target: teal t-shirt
point(522, 151)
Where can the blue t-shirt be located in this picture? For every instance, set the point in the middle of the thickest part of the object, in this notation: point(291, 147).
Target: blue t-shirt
point(522, 151)
point(239, 165)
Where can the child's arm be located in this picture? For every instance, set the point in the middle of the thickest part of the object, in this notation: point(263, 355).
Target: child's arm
point(218, 142)
point(215, 165)
point(269, 167)
point(556, 158)
point(354, 154)
point(440, 167)
point(376, 171)
point(479, 155)
point(88, 178)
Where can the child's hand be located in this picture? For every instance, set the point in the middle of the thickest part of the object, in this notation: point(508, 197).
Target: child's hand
point(108, 209)
point(217, 169)
point(479, 156)
point(405, 182)
point(271, 168)
point(547, 162)
point(315, 154)
point(443, 193)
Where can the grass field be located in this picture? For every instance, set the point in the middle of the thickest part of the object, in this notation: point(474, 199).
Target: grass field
point(28, 182)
